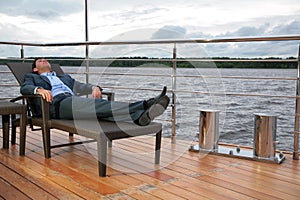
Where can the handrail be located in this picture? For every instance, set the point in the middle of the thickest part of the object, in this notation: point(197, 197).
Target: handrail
point(179, 41)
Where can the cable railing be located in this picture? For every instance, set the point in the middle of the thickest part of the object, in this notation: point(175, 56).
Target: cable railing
point(174, 60)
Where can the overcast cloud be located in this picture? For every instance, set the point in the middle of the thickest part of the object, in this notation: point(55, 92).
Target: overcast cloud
point(50, 21)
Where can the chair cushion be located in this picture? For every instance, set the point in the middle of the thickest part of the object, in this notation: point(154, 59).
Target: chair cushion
point(113, 130)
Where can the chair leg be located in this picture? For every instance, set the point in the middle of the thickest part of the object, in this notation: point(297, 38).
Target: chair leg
point(46, 142)
point(22, 134)
point(109, 143)
point(102, 155)
point(45, 128)
point(5, 131)
point(13, 130)
point(157, 147)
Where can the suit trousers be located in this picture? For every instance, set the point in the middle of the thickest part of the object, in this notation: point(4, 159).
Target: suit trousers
point(74, 107)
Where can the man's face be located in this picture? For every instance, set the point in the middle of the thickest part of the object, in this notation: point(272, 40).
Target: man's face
point(42, 65)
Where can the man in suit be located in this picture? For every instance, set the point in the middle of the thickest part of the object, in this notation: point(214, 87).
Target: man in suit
point(61, 92)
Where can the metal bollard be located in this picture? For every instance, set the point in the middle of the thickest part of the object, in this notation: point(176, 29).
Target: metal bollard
point(265, 136)
point(209, 130)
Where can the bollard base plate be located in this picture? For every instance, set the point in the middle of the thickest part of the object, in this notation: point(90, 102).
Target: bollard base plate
point(237, 152)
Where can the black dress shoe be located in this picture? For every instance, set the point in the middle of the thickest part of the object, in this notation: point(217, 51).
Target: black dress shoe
point(159, 108)
point(163, 93)
point(154, 111)
point(154, 100)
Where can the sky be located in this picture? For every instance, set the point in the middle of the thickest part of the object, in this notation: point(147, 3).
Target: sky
point(55, 21)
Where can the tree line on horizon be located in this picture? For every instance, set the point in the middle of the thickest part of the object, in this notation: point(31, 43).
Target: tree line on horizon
point(220, 62)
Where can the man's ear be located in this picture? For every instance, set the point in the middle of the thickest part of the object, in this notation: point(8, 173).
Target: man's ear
point(35, 70)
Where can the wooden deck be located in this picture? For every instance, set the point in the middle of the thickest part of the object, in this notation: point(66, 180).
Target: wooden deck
point(72, 173)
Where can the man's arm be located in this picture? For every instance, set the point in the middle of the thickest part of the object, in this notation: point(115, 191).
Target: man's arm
point(83, 88)
point(80, 88)
point(29, 87)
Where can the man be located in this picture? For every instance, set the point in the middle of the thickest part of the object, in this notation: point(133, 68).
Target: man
point(60, 92)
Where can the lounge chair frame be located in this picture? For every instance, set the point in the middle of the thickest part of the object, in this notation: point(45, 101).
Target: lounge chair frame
point(104, 136)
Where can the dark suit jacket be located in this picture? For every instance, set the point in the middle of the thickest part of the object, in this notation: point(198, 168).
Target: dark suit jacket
point(32, 80)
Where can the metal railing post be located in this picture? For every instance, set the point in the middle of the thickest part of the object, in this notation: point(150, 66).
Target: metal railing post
point(173, 139)
point(87, 62)
point(22, 52)
point(297, 109)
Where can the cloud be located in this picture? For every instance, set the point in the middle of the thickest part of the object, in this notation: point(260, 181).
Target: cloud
point(47, 14)
point(63, 20)
point(121, 5)
point(37, 9)
point(248, 31)
point(170, 32)
point(271, 27)
point(257, 49)
point(12, 32)
point(199, 35)
point(126, 17)
point(238, 49)
point(289, 28)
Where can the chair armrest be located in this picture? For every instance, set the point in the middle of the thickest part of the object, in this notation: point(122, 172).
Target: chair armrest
point(45, 112)
point(45, 106)
point(24, 97)
point(110, 95)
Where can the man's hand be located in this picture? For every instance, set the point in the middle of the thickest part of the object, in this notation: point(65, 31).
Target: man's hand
point(96, 93)
point(46, 94)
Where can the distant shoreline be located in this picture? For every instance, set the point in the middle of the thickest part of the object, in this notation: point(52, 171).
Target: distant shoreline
point(219, 62)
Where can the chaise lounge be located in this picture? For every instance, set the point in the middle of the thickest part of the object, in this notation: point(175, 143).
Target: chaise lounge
point(102, 132)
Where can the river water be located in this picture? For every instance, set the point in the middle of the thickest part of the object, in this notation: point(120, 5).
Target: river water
point(197, 89)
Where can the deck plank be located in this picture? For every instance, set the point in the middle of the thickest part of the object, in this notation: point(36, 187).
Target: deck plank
point(236, 176)
point(83, 165)
point(161, 177)
point(8, 191)
point(52, 181)
point(17, 181)
point(57, 156)
point(72, 173)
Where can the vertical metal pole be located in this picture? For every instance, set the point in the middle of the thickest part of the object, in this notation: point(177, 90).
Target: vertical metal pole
point(296, 128)
point(173, 139)
point(87, 46)
point(22, 52)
